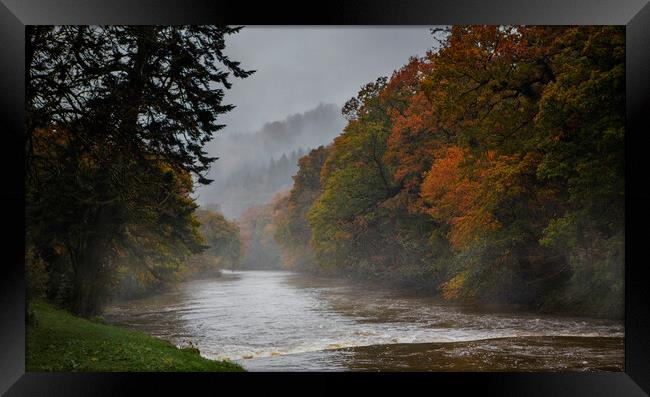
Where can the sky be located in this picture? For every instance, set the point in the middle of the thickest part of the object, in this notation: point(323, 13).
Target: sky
point(300, 67)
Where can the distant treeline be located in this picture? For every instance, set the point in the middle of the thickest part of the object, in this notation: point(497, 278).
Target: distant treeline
point(491, 170)
point(258, 228)
point(252, 186)
point(253, 167)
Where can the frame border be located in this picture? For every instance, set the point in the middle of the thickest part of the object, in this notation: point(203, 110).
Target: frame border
point(635, 14)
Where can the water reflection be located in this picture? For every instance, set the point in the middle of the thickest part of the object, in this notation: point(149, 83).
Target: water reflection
point(287, 321)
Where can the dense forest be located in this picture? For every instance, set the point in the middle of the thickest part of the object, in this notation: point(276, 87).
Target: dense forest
point(490, 170)
point(117, 119)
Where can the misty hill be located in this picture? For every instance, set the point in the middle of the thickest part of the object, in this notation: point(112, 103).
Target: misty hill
point(253, 167)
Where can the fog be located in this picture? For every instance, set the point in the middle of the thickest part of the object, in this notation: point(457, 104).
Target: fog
point(292, 103)
point(253, 167)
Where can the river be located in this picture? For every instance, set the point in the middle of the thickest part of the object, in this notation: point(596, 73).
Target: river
point(284, 321)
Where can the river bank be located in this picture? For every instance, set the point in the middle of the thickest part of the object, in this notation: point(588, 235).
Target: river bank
point(424, 288)
point(59, 341)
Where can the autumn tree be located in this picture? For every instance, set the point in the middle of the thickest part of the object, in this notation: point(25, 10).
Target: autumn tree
point(109, 105)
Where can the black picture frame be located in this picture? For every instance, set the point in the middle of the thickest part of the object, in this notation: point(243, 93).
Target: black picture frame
point(634, 14)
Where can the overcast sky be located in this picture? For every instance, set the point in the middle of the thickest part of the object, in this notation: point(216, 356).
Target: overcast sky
point(300, 67)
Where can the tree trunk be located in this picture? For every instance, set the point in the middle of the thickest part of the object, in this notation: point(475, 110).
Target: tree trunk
point(86, 295)
point(91, 276)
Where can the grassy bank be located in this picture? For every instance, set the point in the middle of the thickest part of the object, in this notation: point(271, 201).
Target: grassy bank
point(60, 341)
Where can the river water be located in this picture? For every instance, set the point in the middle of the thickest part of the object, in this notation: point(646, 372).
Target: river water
point(283, 321)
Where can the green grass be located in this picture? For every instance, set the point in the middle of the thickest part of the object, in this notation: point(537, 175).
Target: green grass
point(60, 341)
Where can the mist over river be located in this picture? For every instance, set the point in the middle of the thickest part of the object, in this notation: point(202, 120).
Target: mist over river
point(284, 321)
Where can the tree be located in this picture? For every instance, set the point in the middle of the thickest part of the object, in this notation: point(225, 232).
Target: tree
point(112, 104)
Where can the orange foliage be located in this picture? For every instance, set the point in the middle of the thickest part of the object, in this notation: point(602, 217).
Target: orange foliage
point(463, 189)
point(454, 198)
point(412, 137)
point(457, 194)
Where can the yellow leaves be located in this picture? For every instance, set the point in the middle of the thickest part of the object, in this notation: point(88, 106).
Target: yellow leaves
point(59, 249)
point(452, 289)
point(341, 235)
point(141, 277)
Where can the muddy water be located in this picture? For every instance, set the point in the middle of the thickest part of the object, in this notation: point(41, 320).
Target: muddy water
point(282, 321)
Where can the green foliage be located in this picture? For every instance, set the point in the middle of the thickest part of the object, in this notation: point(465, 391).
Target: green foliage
point(62, 342)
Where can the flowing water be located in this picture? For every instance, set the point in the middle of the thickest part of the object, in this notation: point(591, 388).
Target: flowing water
point(283, 321)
